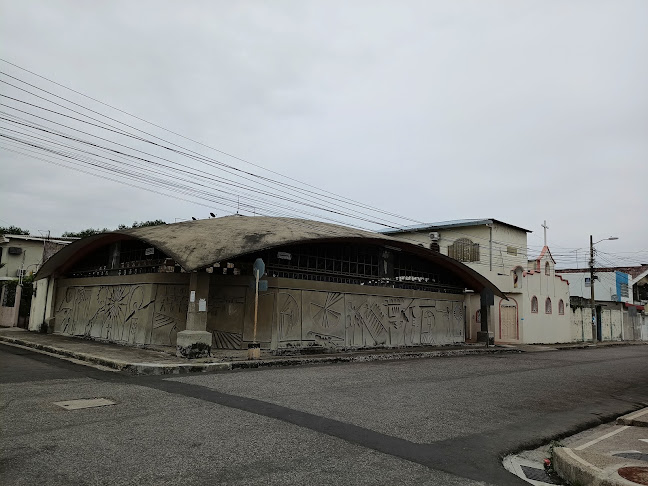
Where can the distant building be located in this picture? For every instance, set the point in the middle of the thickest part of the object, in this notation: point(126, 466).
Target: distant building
point(621, 296)
point(20, 256)
point(24, 253)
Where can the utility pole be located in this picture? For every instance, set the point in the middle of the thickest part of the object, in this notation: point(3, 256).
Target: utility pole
point(592, 304)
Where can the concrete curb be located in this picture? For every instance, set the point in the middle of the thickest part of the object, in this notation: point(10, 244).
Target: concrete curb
point(635, 419)
point(180, 368)
point(578, 471)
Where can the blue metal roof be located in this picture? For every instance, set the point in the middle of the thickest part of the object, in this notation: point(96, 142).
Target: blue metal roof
point(456, 223)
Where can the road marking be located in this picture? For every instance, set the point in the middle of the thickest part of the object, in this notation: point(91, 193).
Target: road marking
point(84, 403)
point(634, 415)
point(603, 437)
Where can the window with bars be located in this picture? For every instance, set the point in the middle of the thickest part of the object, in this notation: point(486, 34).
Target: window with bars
point(534, 304)
point(548, 306)
point(360, 265)
point(134, 257)
point(464, 250)
point(561, 307)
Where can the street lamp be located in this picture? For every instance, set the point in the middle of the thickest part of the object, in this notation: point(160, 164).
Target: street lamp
point(592, 304)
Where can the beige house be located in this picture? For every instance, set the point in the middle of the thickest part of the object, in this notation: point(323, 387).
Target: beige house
point(191, 285)
point(24, 254)
point(21, 256)
point(534, 310)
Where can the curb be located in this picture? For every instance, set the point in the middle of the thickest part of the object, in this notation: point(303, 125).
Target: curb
point(578, 471)
point(180, 368)
point(633, 419)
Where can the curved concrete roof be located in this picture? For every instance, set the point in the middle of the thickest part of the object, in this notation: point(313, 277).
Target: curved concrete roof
point(198, 244)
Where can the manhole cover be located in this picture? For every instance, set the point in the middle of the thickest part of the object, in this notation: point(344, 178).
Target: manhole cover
point(84, 403)
point(637, 475)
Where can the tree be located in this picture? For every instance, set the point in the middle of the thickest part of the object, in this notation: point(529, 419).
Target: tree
point(142, 224)
point(93, 231)
point(84, 233)
point(12, 230)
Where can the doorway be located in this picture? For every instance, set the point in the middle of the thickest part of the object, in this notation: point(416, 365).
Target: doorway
point(509, 327)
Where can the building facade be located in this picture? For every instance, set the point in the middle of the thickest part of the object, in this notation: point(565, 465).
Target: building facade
point(533, 309)
point(191, 285)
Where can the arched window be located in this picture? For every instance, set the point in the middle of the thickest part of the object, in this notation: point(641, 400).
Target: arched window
point(548, 306)
point(517, 277)
point(561, 307)
point(547, 268)
point(464, 250)
point(534, 304)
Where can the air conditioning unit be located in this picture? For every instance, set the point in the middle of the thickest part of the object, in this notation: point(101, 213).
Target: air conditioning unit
point(15, 250)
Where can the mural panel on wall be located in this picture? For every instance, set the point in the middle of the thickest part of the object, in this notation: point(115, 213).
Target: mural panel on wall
point(334, 319)
point(134, 314)
point(323, 318)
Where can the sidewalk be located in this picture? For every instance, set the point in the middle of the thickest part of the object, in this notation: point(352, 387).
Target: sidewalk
point(161, 360)
point(609, 455)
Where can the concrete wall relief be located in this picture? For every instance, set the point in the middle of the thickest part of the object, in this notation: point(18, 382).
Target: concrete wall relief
point(170, 313)
point(323, 320)
point(333, 319)
point(289, 325)
point(134, 314)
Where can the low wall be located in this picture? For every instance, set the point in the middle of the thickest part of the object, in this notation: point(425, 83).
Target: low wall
point(616, 324)
point(134, 309)
point(301, 314)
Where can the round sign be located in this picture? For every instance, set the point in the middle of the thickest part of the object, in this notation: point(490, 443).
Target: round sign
point(259, 267)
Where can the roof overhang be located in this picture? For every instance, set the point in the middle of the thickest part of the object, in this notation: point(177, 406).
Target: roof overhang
point(198, 244)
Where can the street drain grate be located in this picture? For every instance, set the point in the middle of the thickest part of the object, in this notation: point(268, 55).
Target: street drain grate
point(538, 475)
point(84, 403)
point(633, 455)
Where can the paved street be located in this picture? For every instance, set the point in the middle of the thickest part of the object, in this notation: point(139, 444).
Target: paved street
point(430, 421)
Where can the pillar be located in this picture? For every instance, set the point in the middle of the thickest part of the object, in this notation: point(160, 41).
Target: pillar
point(195, 341)
point(485, 335)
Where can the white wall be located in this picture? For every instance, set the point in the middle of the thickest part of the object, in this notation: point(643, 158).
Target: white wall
point(543, 327)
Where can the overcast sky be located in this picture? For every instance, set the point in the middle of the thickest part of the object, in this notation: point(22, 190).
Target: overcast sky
point(436, 110)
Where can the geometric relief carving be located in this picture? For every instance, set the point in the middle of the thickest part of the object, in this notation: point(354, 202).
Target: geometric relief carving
point(135, 314)
point(290, 320)
point(170, 314)
point(113, 312)
point(227, 340)
point(323, 319)
point(400, 321)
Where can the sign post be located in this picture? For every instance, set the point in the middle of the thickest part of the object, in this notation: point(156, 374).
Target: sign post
point(254, 348)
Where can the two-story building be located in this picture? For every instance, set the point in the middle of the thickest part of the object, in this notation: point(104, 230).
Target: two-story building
point(536, 298)
point(20, 256)
point(23, 254)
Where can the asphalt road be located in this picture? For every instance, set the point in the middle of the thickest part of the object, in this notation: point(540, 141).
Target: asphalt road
point(430, 421)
